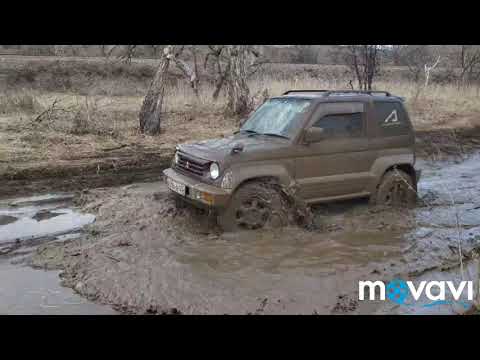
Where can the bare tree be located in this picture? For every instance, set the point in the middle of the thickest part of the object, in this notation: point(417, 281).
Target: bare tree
point(155, 49)
point(469, 63)
point(103, 50)
point(151, 111)
point(428, 69)
point(190, 72)
point(414, 57)
point(242, 62)
point(232, 66)
point(362, 60)
point(397, 54)
point(128, 54)
point(305, 54)
point(125, 53)
point(219, 65)
point(238, 93)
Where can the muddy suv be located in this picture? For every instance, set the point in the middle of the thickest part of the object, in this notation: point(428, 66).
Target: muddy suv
point(314, 145)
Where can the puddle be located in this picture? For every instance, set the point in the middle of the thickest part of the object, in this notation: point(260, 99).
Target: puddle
point(32, 220)
point(24, 290)
point(6, 219)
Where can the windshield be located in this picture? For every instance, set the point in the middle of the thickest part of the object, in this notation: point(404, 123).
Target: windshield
point(277, 117)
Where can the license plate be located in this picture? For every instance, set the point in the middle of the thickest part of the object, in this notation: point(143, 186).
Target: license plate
point(176, 186)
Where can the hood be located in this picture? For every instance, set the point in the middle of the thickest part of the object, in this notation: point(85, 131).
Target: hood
point(221, 149)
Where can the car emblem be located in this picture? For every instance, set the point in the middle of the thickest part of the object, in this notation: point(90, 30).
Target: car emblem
point(188, 165)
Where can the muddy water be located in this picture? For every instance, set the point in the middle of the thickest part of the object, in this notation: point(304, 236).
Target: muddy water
point(149, 256)
point(25, 224)
point(30, 218)
point(25, 291)
point(153, 257)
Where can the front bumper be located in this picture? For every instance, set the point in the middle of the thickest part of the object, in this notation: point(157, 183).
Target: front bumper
point(198, 193)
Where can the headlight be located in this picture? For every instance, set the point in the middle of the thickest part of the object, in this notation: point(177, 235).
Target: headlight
point(176, 157)
point(214, 171)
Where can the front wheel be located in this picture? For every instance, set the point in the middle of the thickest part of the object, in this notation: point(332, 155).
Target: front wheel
point(255, 205)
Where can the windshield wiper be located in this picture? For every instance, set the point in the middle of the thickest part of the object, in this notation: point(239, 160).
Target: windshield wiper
point(247, 131)
point(253, 132)
point(276, 135)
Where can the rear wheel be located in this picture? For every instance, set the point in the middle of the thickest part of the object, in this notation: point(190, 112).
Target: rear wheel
point(255, 205)
point(396, 189)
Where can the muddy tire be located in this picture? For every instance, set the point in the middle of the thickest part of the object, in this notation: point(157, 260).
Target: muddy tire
point(255, 205)
point(396, 189)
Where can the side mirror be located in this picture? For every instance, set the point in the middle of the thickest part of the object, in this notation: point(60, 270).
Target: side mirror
point(314, 134)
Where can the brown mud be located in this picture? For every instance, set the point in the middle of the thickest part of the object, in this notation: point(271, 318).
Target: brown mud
point(118, 168)
point(144, 255)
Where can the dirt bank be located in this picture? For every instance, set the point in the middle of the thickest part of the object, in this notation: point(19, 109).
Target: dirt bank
point(75, 175)
point(134, 163)
point(143, 255)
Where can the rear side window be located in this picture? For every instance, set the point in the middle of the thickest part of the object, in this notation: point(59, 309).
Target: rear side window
point(341, 125)
point(391, 119)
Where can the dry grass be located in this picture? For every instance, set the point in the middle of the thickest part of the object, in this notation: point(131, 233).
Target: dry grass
point(84, 125)
point(19, 102)
point(438, 106)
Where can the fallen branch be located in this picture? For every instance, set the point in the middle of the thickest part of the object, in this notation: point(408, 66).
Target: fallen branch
point(48, 111)
point(121, 146)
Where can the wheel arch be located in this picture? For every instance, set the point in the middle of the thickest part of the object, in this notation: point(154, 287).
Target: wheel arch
point(383, 165)
point(276, 173)
point(405, 167)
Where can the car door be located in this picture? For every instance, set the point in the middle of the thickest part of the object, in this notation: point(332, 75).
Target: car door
point(338, 164)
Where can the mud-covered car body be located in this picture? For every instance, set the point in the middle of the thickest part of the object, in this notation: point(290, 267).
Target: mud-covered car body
point(340, 145)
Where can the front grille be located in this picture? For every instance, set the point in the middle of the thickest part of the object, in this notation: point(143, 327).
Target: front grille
point(192, 166)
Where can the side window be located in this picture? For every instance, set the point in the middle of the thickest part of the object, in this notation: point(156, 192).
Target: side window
point(342, 125)
point(391, 119)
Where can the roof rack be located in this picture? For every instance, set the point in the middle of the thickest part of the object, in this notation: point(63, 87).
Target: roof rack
point(303, 91)
point(368, 92)
point(330, 92)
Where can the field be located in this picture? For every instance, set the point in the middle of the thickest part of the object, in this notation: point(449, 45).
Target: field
point(78, 118)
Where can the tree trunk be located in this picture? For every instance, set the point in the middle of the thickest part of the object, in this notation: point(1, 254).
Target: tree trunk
point(151, 111)
point(190, 73)
point(237, 88)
